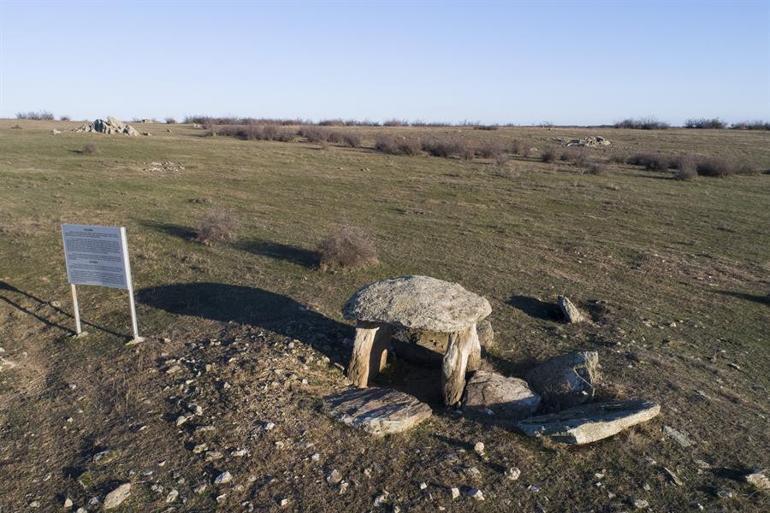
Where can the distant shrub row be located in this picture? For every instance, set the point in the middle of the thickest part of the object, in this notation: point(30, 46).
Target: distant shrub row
point(688, 166)
point(42, 115)
point(705, 123)
point(230, 120)
point(642, 124)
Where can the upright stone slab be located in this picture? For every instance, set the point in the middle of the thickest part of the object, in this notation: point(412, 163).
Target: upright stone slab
point(590, 422)
point(378, 411)
point(566, 380)
point(498, 398)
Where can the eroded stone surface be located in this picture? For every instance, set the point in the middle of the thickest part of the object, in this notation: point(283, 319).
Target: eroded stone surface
point(571, 313)
point(418, 302)
point(510, 399)
point(566, 380)
point(117, 496)
point(591, 422)
point(378, 411)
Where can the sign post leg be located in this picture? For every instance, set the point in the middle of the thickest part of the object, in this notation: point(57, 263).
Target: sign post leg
point(78, 328)
point(134, 324)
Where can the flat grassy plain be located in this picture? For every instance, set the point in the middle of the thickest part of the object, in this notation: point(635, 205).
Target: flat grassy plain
point(675, 275)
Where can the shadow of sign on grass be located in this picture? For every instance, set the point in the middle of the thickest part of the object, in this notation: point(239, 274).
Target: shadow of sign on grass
point(254, 306)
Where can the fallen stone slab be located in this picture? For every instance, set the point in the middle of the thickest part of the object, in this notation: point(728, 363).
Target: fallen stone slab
point(378, 411)
point(567, 380)
point(498, 398)
point(591, 422)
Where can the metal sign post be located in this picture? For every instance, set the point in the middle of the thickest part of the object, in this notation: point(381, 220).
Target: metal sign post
point(98, 255)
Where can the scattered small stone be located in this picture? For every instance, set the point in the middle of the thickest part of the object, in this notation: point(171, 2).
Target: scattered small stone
point(34, 504)
point(344, 487)
point(455, 493)
point(381, 499)
point(201, 488)
point(479, 448)
point(474, 493)
point(172, 495)
point(315, 457)
point(269, 426)
point(678, 436)
point(641, 504)
point(200, 448)
point(423, 486)
point(67, 503)
point(116, 497)
point(759, 480)
point(284, 503)
point(334, 477)
point(223, 478)
point(513, 473)
point(180, 420)
point(221, 498)
point(673, 477)
point(240, 453)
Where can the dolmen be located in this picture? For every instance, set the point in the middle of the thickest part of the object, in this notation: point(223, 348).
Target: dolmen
point(416, 303)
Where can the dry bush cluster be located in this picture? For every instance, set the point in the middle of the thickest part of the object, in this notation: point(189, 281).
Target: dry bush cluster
point(751, 125)
point(216, 225)
point(397, 145)
point(642, 124)
point(347, 247)
point(705, 123)
point(42, 115)
point(255, 132)
point(89, 149)
point(170, 121)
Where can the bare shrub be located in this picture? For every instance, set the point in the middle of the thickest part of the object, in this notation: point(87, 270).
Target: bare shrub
point(395, 122)
point(490, 150)
point(216, 225)
point(548, 155)
point(618, 158)
point(314, 134)
point(705, 123)
point(351, 139)
point(347, 247)
point(89, 149)
point(686, 168)
point(170, 121)
point(650, 161)
point(486, 127)
point(596, 168)
point(715, 167)
point(502, 159)
point(64, 118)
point(516, 147)
point(397, 145)
point(43, 115)
point(642, 124)
point(751, 125)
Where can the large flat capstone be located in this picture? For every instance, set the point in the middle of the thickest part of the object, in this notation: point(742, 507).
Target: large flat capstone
point(590, 422)
point(378, 411)
point(498, 398)
point(418, 302)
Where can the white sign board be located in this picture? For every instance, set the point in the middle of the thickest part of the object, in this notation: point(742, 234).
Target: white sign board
point(96, 255)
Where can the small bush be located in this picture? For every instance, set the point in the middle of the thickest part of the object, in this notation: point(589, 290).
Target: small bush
point(650, 161)
point(502, 159)
point(216, 225)
point(170, 121)
point(489, 150)
point(516, 147)
point(64, 118)
point(642, 124)
point(618, 158)
point(43, 115)
point(89, 149)
point(714, 167)
point(397, 145)
point(705, 123)
point(596, 168)
point(549, 155)
point(486, 127)
point(395, 122)
point(686, 168)
point(351, 139)
point(751, 125)
point(347, 247)
point(314, 134)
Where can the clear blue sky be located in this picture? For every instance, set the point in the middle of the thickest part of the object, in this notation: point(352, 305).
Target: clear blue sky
point(566, 62)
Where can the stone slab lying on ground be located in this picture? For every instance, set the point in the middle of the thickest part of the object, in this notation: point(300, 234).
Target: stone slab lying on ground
point(566, 380)
point(591, 422)
point(418, 302)
point(378, 411)
point(508, 399)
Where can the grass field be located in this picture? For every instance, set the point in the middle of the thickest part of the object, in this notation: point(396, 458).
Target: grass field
point(675, 275)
